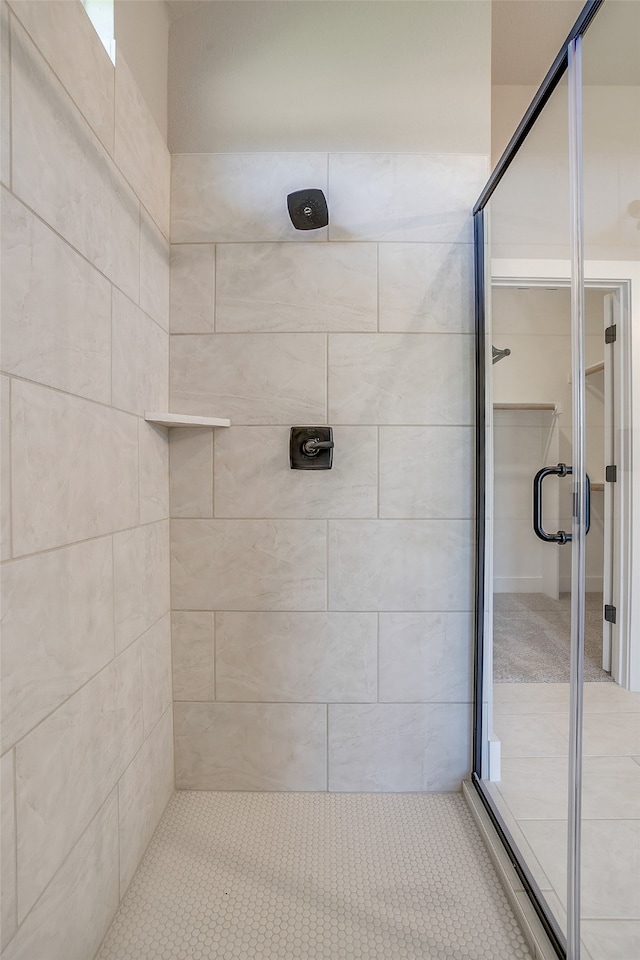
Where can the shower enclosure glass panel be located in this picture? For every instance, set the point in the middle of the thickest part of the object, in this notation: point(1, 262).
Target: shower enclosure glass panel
point(610, 902)
point(529, 433)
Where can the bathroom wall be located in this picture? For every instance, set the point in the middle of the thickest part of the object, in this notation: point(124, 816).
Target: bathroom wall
point(87, 763)
point(322, 624)
point(321, 620)
point(142, 37)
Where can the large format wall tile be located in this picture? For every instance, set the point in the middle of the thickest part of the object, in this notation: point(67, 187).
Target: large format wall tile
point(67, 767)
point(8, 918)
point(426, 472)
point(400, 565)
point(75, 468)
point(396, 378)
point(156, 672)
point(378, 196)
point(191, 472)
point(398, 747)
point(230, 197)
point(192, 287)
point(74, 912)
point(58, 28)
point(192, 643)
point(140, 150)
point(56, 309)
point(426, 657)
point(253, 477)
point(251, 378)
point(155, 261)
point(154, 472)
point(57, 635)
point(143, 793)
point(248, 564)
point(298, 657)
point(5, 468)
point(140, 359)
point(426, 287)
point(313, 287)
point(141, 580)
point(62, 171)
point(251, 746)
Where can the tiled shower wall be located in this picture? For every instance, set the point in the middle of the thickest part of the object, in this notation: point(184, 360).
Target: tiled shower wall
point(321, 620)
point(87, 756)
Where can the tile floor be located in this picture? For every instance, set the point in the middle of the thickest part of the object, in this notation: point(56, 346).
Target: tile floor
point(293, 876)
point(531, 720)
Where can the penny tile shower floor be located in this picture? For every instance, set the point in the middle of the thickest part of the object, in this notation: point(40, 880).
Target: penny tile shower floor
point(292, 876)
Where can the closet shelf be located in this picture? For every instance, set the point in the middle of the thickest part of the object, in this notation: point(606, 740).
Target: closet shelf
point(594, 368)
point(597, 487)
point(528, 406)
point(184, 420)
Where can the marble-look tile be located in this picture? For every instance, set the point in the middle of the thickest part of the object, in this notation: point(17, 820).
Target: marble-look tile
point(140, 359)
point(156, 672)
point(250, 746)
point(154, 472)
point(8, 915)
point(611, 735)
point(5, 96)
point(232, 197)
point(537, 736)
point(56, 309)
point(140, 150)
point(297, 657)
point(426, 472)
point(426, 657)
point(193, 280)
point(400, 378)
point(192, 644)
point(610, 864)
point(398, 747)
point(143, 793)
point(411, 197)
point(302, 287)
point(248, 564)
point(87, 76)
point(155, 267)
point(5, 468)
point(426, 287)
point(75, 468)
point(251, 378)
point(609, 698)
point(191, 472)
point(611, 939)
point(68, 765)
point(400, 565)
point(57, 626)
point(253, 477)
point(141, 580)
point(519, 698)
point(535, 788)
point(61, 170)
point(73, 914)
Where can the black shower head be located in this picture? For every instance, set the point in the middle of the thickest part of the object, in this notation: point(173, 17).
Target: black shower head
point(308, 209)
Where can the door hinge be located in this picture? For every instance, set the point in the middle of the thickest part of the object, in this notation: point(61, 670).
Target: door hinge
point(611, 474)
point(610, 334)
point(609, 613)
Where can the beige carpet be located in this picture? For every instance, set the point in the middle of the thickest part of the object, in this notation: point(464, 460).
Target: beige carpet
point(531, 637)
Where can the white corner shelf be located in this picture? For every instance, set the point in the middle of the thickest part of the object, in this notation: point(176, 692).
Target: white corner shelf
point(184, 420)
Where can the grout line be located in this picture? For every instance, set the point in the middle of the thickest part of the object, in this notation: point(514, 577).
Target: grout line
point(9, 492)
point(339, 703)
point(214, 303)
point(75, 543)
point(15, 837)
point(378, 659)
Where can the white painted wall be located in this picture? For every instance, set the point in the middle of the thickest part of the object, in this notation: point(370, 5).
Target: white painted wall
point(350, 76)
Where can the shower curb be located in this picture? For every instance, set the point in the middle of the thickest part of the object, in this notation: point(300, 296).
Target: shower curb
point(528, 920)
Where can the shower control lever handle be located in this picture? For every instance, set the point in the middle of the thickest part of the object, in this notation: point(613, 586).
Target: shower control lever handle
point(312, 447)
